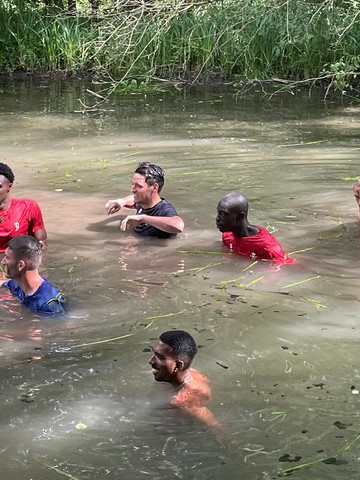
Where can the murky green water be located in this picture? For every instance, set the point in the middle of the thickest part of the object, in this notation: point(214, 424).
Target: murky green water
point(280, 347)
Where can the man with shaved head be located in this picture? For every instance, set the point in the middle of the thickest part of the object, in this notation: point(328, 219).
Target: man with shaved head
point(243, 238)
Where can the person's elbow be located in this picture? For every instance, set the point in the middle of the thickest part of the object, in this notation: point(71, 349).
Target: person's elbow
point(179, 224)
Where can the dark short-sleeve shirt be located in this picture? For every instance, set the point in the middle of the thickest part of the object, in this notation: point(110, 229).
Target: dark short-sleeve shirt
point(161, 209)
point(47, 300)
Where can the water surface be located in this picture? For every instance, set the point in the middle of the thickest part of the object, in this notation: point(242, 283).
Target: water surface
point(279, 346)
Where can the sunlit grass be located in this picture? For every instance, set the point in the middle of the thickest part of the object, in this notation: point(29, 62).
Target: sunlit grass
point(238, 40)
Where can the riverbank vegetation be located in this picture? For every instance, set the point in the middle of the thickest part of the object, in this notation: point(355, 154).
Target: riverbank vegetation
point(290, 42)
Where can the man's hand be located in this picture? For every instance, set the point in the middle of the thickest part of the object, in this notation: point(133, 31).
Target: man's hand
point(131, 221)
point(112, 206)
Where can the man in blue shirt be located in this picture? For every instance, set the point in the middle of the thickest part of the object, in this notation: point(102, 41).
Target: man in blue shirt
point(155, 217)
point(21, 264)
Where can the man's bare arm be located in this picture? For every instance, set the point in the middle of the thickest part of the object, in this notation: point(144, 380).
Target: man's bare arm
point(201, 413)
point(166, 224)
point(113, 206)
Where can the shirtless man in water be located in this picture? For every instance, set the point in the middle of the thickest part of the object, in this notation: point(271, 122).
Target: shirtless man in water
point(172, 356)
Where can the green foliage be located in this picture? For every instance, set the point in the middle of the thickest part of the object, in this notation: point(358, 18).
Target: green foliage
point(343, 71)
point(252, 39)
point(137, 86)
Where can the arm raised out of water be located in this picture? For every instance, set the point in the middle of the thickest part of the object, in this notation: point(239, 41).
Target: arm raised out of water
point(113, 206)
point(173, 224)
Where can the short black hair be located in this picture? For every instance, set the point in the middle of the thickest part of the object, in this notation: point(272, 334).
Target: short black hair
point(7, 172)
point(152, 173)
point(28, 248)
point(182, 343)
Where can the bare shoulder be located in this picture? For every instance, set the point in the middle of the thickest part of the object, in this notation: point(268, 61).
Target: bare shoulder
point(198, 386)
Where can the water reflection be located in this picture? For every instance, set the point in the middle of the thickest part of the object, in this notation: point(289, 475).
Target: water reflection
point(279, 346)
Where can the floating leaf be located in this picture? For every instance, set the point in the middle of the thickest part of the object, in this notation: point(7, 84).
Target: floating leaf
point(302, 281)
point(198, 172)
point(317, 304)
point(153, 320)
point(303, 250)
point(200, 269)
point(201, 252)
point(80, 426)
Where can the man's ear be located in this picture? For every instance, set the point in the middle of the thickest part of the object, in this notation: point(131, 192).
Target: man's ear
point(21, 265)
point(240, 217)
point(180, 365)
point(9, 187)
point(156, 187)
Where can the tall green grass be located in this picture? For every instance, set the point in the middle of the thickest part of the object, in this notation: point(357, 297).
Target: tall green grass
point(252, 39)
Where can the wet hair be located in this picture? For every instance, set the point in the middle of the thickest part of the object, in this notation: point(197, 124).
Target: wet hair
point(152, 173)
point(6, 171)
point(27, 248)
point(235, 203)
point(182, 343)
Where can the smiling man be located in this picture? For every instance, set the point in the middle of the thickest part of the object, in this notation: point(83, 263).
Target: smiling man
point(155, 217)
point(171, 362)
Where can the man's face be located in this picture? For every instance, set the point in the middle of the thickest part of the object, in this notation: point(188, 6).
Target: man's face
point(143, 193)
point(5, 187)
point(163, 364)
point(225, 219)
point(10, 264)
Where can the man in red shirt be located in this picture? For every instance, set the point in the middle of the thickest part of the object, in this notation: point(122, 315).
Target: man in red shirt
point(17, 216)
point(243, 238)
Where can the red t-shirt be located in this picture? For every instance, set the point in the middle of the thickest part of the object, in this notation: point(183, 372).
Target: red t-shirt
point(22, 217)
point(263, 245)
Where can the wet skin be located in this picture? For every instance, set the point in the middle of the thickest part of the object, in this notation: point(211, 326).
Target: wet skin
point(192, 389)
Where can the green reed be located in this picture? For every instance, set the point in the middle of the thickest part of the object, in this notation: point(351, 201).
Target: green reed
point(253, 39)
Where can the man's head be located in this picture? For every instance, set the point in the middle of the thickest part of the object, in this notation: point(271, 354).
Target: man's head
point(232, 211)
point(6, 181)
point(152, 174)
point(23, 253)
point(173, 354)
point(147, 183)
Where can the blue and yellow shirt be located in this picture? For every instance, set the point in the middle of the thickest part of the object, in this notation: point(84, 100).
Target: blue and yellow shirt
point(47, 300)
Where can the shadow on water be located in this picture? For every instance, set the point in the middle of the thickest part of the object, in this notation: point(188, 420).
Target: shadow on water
point(280, 346)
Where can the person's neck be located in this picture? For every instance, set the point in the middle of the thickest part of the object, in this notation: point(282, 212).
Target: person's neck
point(181, 378)
point(245, 229)
point(30, 281)
point(153, 201)
point(5, 203)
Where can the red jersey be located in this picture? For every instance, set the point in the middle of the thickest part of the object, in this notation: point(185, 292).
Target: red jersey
point(22, 217)
point(263, 245)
